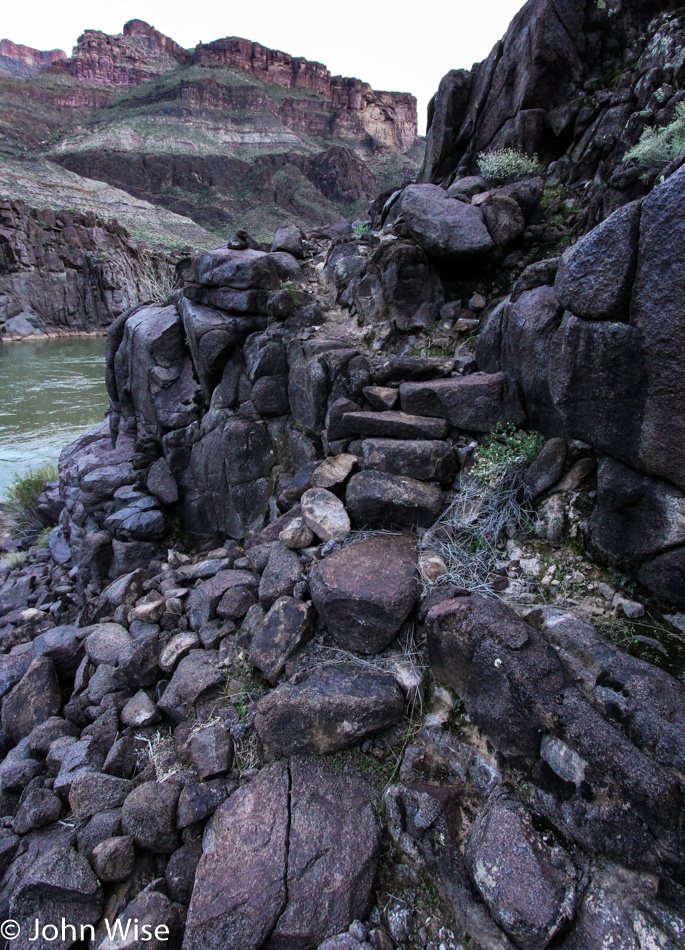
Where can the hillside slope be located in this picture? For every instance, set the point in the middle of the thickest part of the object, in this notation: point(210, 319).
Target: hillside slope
point(231, 134)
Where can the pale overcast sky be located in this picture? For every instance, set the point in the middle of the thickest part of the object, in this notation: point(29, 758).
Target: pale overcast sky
point(396, 46)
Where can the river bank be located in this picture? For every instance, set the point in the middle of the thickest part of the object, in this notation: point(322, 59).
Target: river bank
point(51, 335)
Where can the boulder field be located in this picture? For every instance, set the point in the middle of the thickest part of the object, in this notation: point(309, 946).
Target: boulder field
point(248, 698)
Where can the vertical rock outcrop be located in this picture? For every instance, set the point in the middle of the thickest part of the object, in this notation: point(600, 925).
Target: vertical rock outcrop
point(63, 271)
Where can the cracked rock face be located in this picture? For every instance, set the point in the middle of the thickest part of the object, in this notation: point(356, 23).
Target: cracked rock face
point(287, 861)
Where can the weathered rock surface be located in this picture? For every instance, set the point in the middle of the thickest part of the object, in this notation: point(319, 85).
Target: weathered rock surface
point(516, 688)
point(61, 271)
point(528, 884)
point(423, 459)
point(476, 403)
point(379, 499)
point(332, 709)
point(33, 700)
point(287, 860)
point(365, 592)
point(286, 628)
point(442, 226)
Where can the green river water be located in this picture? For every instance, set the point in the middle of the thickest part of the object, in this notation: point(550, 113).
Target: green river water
point(50, 392)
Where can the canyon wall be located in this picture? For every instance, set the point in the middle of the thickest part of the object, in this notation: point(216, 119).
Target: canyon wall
point(388, 117)
point(574, 83)
point(62, 271)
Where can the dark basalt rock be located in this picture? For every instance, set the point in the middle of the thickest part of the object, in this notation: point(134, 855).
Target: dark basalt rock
point(148, 816)
point(59, 886)
point(33, 700)
point(516, 689)
point(378, 499)
point(365, 592)
point(594, 279)
point(528, 883)
point(442, 226)
point(290, 859)
point(430, 461)
point(476, 403)
point(195, 677)
point(394, 425)
point(285, 629)
point(334, 708)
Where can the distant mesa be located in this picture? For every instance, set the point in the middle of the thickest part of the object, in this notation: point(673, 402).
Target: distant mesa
point(227, 135)
point(141, 52)
point(24, 61)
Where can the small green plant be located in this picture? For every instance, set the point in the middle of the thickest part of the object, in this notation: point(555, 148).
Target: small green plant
point(505, 165)
point(624, 581)
point(658, 147)
point(20, 504)
point(491, 502)
point(506, 449)
point(43, 539)
point(361, 228)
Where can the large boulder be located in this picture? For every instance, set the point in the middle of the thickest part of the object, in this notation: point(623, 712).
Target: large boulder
point(33, 700)
point(334, 708)
point(597, 378)
point(288, 860)
point(395, 425)
point(595, 276)
point(519, 693)
point(226, 484)
point(196, 677)
point(149, 816)
point(635, 516)
point(224, 267)
point(443, 226)
point(365, 592)
point(505, 102)
point(58, 888)
point(399, 285)
point(381, 500)
point(427, 460)
point(527, 881)
point(656, 312)
point(154, 915)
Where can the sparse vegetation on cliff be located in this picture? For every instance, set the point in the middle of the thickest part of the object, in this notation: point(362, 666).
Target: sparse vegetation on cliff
point(491, 501)
point(505, 165)
point(658, 147)
point(157, 279)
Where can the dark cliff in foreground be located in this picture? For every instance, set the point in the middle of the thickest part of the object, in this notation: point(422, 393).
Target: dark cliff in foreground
point(576, 84)
point(360, 625)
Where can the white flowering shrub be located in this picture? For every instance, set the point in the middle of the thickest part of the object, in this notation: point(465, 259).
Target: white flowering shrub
point(505, 165)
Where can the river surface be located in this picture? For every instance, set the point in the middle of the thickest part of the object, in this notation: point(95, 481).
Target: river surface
point(50, 393)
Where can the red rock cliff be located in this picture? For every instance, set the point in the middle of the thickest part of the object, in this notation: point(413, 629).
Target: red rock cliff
point(127, 59)
point(356, 110)
point(388, 117)
point(21, 60)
